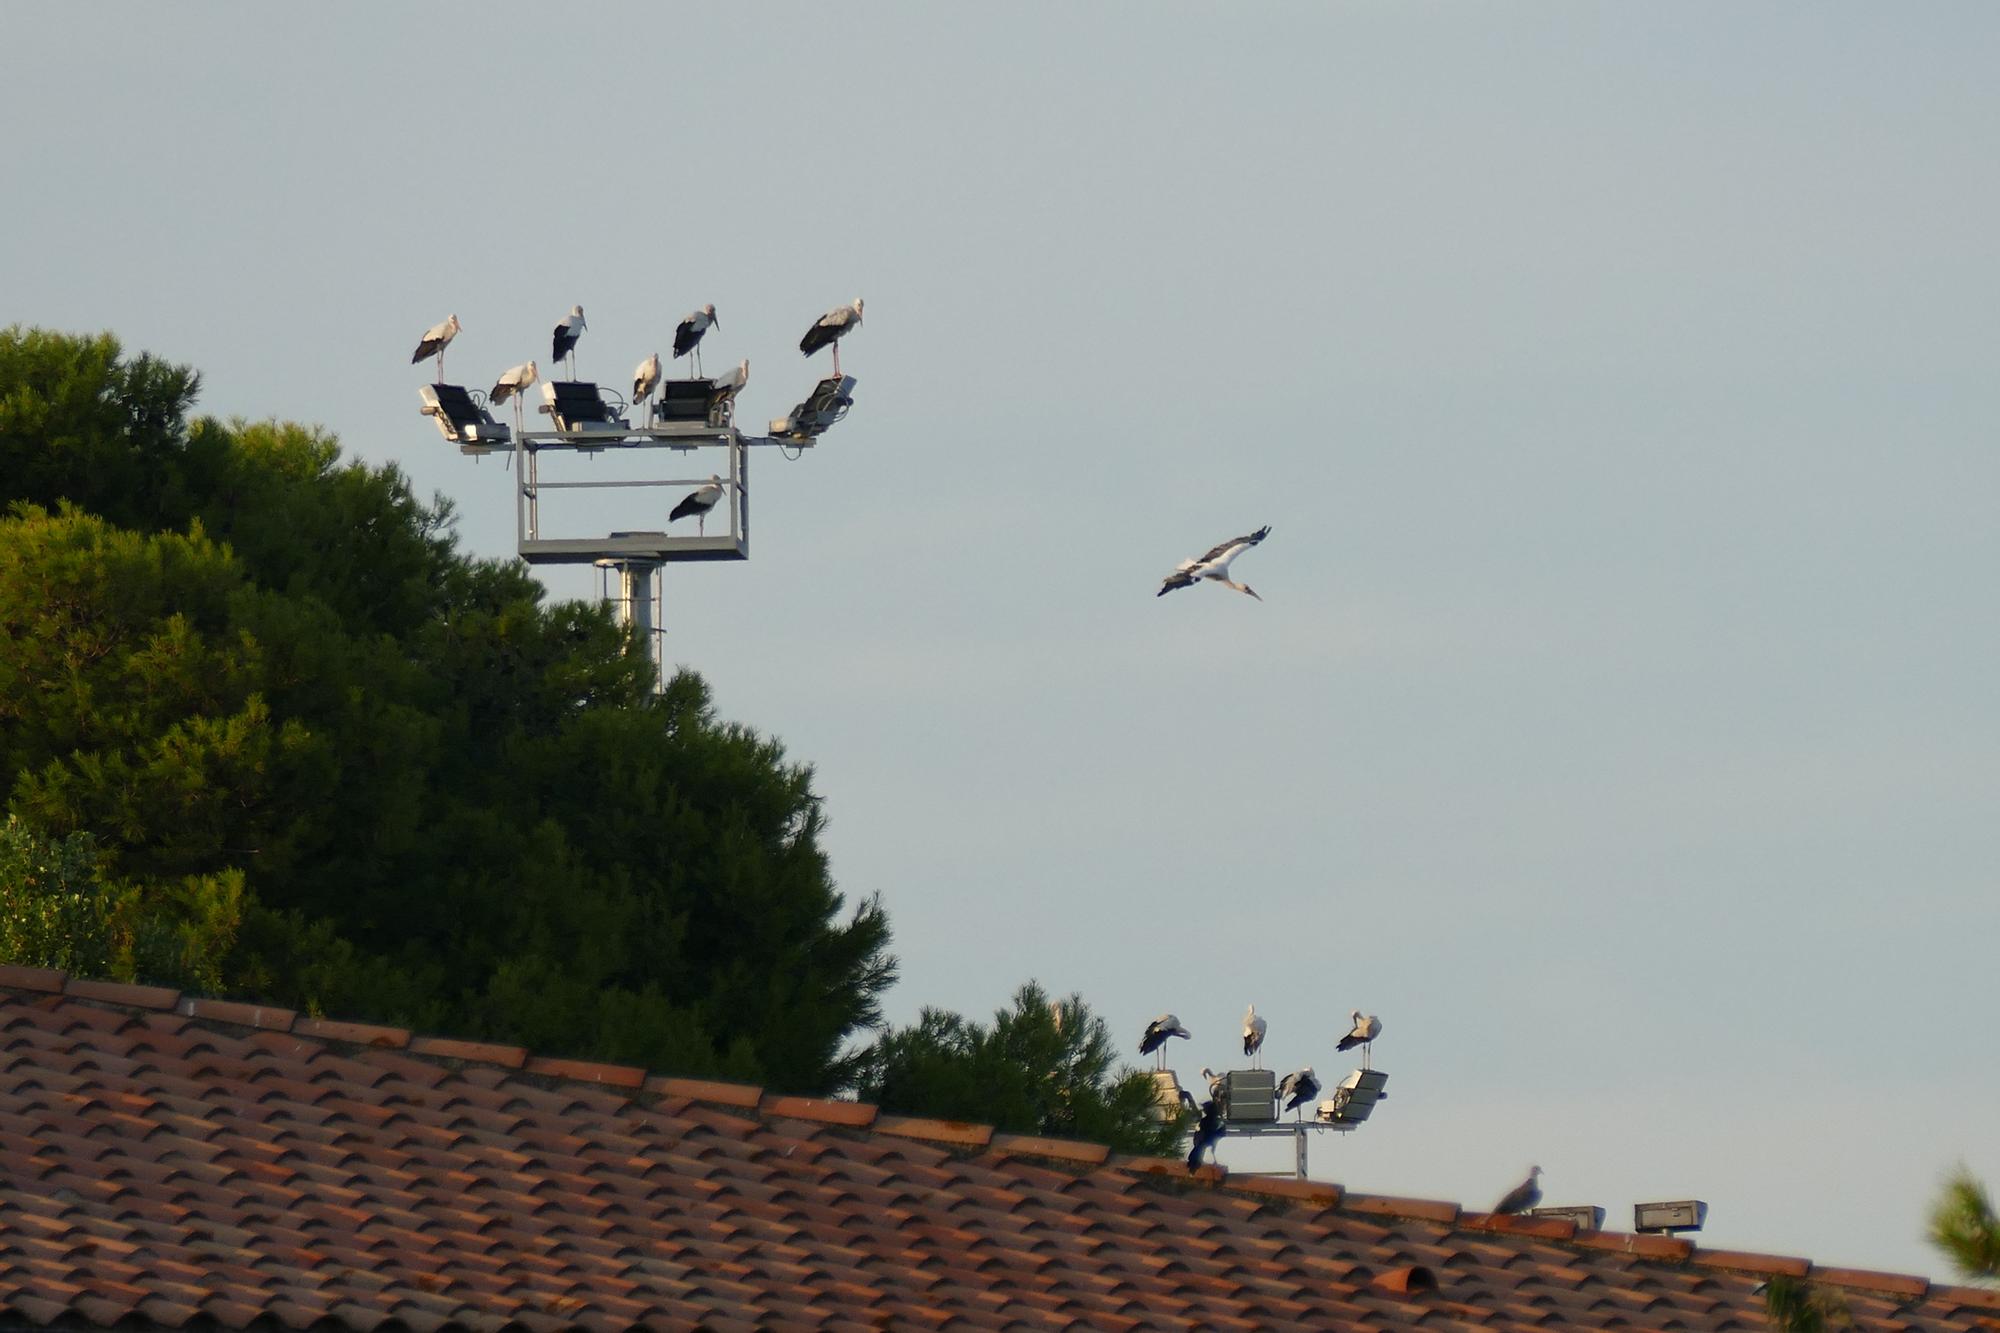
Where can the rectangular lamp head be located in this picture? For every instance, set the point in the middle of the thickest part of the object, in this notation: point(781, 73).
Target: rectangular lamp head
point(1671, 1215)
point(1250, 1096)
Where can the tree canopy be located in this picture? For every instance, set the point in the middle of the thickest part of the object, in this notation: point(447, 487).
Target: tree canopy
point(348, 768)
point(1964, 1228)
point(1044, 1067)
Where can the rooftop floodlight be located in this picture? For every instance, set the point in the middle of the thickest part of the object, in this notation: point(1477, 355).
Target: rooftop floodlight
point(461, 418)
point(1168, 1094)
point(579, 408)
point(1250, 1096)
point(1586, 1216)
point(825, 405)
point(684, 401)
point(1669, 1216)
point(1354, 1098)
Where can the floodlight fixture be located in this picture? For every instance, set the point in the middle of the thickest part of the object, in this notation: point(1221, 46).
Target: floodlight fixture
point(1354, 1098)
point(1587, 1217)
point(1250, 1096)
point(579, 408)
point(826, 404)
point(462, 418)
point(1669, 1216)
point(1168, 1095)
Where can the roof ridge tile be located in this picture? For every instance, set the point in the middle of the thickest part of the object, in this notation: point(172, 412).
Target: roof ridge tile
point(48, 980)
point(123, 992)
point(825, 1110)
point(1745, 1261)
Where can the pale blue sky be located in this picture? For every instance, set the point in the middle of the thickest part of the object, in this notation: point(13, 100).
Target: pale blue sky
point(1620, 383)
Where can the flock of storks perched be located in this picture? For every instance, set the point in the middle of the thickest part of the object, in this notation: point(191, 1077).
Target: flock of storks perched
point(1297, 1088)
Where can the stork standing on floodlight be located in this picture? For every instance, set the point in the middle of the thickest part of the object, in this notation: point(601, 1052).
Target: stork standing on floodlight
point(1523, 1196)
point(687, 336)
point(644, 380)
point(1214, 565)
point(1156, 1034)
point(834, 325)
point(1298, 1088)
point(567, 332)
point(699, 503)
point(1253, 1036)
point(510, 385)
point(433, 343)
point(1363, 1034)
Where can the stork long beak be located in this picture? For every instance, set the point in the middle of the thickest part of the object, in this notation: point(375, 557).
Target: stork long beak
point(715, 320)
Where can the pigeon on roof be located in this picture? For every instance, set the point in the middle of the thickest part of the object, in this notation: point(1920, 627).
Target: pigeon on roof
point(1523, 1196)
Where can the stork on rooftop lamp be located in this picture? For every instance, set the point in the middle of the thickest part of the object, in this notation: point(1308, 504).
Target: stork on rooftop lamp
point(1298, 1088)
point(1253, 1036)
point(1156, 1034)
point(687, 335)
point(511, 384)
point(1366, 1028)
point(436, 338)
point(568, 330)
point(644, 380)
point(830, 328)
point(1214, 565)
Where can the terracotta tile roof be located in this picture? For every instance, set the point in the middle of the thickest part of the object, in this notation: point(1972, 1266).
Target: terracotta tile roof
point(172, 1163)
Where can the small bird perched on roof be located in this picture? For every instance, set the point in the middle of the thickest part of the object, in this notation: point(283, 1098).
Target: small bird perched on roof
point(687, 334)
point(512, 382)
point(1253, 1031)
point(698, 503)
point(1214, 565)
point(1523, 1196)
point(433, 343)
point(1300, 1088)
point(1207, 1132)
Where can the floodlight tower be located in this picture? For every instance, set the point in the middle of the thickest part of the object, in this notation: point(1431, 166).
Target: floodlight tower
point(586, 422)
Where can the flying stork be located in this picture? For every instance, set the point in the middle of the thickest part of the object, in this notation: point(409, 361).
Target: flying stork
point(646, 379)
point(834, 325)
point(513, 382)
point(433, 344)
point(1156, 1034)
point(1523, 1196)
point(1253, 1035)
point(698, 503)
point(1366, 1029)
point(687, 337)
point(1214, 565)
point(567, 332)
point(1299, 1087)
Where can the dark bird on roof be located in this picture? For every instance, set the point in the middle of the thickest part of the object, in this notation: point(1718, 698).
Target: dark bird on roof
point(1207, 1133)
point(698, 503)
point(1298, 1088)
point(1523, 1196)
point(433, 343)
point(1214, 565)
point(687, 334)
point(567, 332)
point(830, 328)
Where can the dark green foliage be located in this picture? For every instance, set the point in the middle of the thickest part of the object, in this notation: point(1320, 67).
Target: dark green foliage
point(1042, 1068)
point(236, 660)
point(1964, 1227)
point(1795, 1305)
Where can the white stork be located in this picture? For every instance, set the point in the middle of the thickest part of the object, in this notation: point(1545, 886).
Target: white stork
point(1156, 1034)
point(513, 382)
point(834, 325)
point(646, 379)
point(1214, 565)
point(434, 341)
point(1523, 1196)
point(1366, 1029)
point(1253, 1034)
point(1217, 1083)
point(567, 332)
point(727, 385)
point(687, 335)
point(698, 503)
point(1298, 1088)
